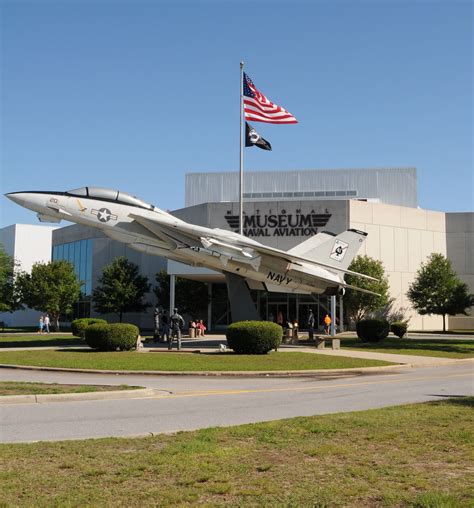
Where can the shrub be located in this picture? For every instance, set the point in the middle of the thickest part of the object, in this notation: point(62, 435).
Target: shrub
point(372, 330)
point(105, 337)
point(96, 335)
point(399, 328)
point(79, 325)
point(254, 337)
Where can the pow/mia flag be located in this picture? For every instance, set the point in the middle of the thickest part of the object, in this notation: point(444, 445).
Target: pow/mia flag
point(252, 137)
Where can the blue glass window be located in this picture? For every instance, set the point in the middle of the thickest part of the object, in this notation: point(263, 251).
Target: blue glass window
point(77, 258)
point(80, 255)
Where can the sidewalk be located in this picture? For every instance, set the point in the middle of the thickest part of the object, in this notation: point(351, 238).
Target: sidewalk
point(371, 355)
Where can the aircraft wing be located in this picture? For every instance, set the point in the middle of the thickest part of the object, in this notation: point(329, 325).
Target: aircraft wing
point(174, 236)
point(189, 235)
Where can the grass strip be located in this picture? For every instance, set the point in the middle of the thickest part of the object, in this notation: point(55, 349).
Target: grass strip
point(441, 348)
point(39, 341)
point(23, 388)
point(415, 455)
point(88, 359)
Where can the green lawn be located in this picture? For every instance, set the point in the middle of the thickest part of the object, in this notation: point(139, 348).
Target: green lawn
point(38, 340)
point(88, 359)
point(447, 348)
point(21, 388)
point(416, 455)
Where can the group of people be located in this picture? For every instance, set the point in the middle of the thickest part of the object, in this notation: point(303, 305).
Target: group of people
point(199, 326)
point(169, 328)
point(292, 324)
point(312, 321)
point(44, 324)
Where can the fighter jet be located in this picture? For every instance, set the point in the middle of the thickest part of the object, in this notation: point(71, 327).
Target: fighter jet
point(315, 266)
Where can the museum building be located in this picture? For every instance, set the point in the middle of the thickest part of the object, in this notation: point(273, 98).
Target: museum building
point(282, 209)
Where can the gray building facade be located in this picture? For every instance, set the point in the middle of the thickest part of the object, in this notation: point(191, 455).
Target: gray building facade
point(394, 186)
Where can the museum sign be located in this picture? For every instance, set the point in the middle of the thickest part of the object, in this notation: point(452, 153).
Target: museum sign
point(279, 224)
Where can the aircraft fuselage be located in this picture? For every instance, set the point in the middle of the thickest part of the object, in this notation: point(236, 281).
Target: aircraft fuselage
point(151, 230)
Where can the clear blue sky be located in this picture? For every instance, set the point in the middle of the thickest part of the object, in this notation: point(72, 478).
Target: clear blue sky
point(135, 94)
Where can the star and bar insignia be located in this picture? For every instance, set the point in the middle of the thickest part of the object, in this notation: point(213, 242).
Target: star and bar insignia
point(103, 215)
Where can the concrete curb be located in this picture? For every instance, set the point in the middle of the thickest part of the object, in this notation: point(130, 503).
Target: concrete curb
point(69, 397)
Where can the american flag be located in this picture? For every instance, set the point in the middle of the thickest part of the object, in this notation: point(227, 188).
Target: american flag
point(260, 109)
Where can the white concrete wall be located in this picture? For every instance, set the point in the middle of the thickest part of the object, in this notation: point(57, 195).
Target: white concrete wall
point(28, 244)
point(402, 238)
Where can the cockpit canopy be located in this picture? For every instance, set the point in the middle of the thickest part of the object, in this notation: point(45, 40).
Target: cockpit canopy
point(114, 196)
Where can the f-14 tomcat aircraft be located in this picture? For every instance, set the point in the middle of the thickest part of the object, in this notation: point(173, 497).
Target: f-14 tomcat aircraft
point(317, 265)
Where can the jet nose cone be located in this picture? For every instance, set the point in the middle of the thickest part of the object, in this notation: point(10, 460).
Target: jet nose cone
point(16, 197)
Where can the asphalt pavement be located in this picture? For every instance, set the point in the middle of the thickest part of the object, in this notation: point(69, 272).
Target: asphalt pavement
point(189, 403)
point(173, 403)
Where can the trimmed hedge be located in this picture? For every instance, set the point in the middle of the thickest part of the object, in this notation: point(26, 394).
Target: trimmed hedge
point(399, 328)
point(254, 337)
point(79, 325)
point(113, 337)
point(372, 330)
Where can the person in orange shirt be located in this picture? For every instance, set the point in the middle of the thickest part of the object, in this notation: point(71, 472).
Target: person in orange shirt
point(327, 323)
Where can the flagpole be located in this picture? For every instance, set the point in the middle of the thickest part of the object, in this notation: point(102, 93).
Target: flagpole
point(241, 173)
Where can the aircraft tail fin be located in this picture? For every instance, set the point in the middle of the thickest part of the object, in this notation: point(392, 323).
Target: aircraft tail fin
point(334, 250)
point(307, 246)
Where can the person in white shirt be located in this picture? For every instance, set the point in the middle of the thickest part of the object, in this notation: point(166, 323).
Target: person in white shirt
point(46, 323)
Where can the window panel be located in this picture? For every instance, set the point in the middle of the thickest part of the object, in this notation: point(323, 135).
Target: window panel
point(82, 268)
point(77, 257)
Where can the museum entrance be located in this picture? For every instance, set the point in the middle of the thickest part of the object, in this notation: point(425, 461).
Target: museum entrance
point(277, 313)
point(273, 307)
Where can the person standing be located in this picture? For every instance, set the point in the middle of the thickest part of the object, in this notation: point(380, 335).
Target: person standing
point(311, 322)
point(40, 325)
point(177, 323)
point(46, 323)
point(327, 324)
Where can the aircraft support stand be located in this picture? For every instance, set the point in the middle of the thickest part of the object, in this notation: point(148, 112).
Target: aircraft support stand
point(172, 293)
point(333, 316)
point(341, 314)
point(241, 303)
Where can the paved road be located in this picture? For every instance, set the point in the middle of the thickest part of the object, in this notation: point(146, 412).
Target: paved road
point(190, 403)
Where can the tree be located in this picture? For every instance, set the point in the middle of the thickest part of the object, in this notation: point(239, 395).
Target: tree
point(191, 296)
point(50, 287)
point(359, 305)
point(9, 298)
point(121, 289)
point(438, 290)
